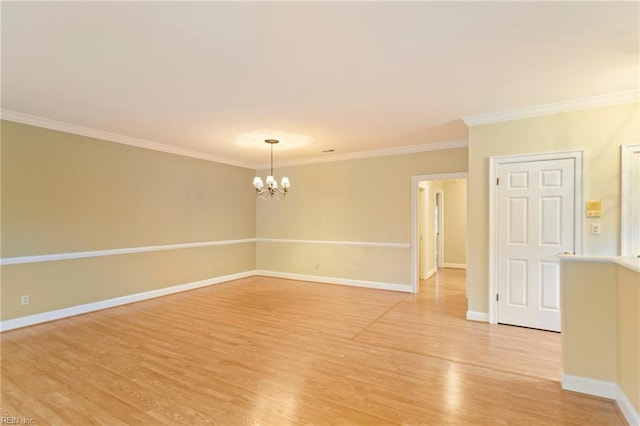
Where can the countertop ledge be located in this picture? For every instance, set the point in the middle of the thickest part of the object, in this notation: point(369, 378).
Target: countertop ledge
point(632, 263)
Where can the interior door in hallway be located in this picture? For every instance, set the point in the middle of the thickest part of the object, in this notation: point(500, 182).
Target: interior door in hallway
point(535, 222)
point(630, 201)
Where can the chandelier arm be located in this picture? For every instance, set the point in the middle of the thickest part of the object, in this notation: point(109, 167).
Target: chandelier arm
point(276, 193)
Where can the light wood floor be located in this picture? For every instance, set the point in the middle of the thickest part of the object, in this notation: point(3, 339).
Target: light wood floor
point(268, 351)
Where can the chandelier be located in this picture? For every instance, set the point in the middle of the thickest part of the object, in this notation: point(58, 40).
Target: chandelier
point(271, 190)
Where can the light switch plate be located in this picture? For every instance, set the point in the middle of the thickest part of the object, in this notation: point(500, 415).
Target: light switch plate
point(594, 208)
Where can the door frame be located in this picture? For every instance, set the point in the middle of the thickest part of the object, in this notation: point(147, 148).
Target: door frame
point(415, 279)
point(423, 196)
point(439, 243)
point(494, 163)
point(626, 155)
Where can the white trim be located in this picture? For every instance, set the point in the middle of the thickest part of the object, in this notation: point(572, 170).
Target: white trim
point(494, 163)
point(603, 389)
point(477, 316)
point(131, 250)
point(589, 386)
point(42, 317)
point(586, 258)
point(335, 280)
point(455, 265)
point(118, 301)
point(423, 220)
point(415, 278)
point(632, 263)
point(628, 410)
point(60, 126)
point(385, 152)
point(336, 243)
point(626, 155)
point(115, 252)
point(431, 273)
point(439, 242)
point(619, 98)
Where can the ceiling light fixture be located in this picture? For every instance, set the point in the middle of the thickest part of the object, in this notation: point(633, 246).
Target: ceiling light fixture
point(271, 190)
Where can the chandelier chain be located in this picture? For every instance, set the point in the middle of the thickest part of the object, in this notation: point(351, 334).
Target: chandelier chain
point(271, 174)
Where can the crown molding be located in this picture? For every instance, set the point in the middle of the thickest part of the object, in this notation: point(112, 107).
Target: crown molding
point(400, 150)
point(629, 96)
point(46, 123)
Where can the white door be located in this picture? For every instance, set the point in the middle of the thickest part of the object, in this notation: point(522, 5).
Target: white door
point(535, 222)
point(630, 201)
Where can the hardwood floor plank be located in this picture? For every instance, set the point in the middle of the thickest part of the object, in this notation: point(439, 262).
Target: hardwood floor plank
point(278, 352)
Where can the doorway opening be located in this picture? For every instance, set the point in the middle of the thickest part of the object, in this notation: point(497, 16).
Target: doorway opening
point(439, 224)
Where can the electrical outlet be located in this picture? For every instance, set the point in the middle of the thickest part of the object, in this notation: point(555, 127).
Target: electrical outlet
point(24, 299)
point(317, 266)
point(595, 229)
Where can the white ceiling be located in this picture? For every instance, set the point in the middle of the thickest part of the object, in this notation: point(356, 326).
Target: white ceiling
point(352, 76)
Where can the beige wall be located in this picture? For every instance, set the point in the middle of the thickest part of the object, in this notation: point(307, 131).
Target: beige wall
point(67, 193)
point(601, 324)
point(589, 330)
point(629, 334)
point(599, 132)
point(66, 283)
point(455, 222)
point(366, 200)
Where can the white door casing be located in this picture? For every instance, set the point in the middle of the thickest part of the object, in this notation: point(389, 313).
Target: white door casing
point(630, 201)
point(439, 228)
point(535, 215)
point(423, 195)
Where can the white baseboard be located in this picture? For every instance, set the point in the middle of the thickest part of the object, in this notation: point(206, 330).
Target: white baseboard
point(455, 265)
point(430, 274)
point(589, 386)
point(603, 389)
point(118, 301)
point(28, 320)
point(333, 280)
point(628, 410)
point(477, 316)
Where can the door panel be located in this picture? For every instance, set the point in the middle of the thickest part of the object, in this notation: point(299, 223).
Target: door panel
point(551, 221)
point(550, 276)
point(518, 285)
point(535, 222)
point(630, 201)
point(518, 220)
point(635, 203)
